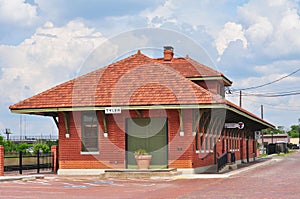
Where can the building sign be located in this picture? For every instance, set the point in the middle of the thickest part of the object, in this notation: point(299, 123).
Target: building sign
point(239, 125)
point(113, 110)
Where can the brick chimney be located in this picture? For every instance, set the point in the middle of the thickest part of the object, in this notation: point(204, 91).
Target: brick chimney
point(168, 53)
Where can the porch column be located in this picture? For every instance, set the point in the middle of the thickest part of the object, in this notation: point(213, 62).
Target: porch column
point(54, 151)
point(67, 123)
point(180, 113)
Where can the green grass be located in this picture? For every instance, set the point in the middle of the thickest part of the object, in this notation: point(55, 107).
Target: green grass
point(286, 154)
point(263, 155)
point(279, 155)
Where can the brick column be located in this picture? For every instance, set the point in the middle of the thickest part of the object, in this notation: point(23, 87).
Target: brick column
point(54, 150)
point(1, 160)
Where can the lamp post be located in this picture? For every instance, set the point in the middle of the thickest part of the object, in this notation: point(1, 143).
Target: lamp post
point(7, 132)
point(272, 136)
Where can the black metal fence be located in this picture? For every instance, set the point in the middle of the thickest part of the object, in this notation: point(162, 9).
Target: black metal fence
point(222, 161)
point(232, 157)
point(277, 148)
point(20, 161)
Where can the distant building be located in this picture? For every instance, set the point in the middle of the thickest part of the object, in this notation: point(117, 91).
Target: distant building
point(274, 138)
point(294, 141)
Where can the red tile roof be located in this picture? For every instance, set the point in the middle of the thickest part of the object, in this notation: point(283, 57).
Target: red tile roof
point(191, 69)
point(136, 80)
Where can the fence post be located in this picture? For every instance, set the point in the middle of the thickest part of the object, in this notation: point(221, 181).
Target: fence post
point(1, 160)
point(54, 152)
point(20, 162)
point(38, 161)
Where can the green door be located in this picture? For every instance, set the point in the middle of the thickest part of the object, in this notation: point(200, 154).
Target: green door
point(149, 134)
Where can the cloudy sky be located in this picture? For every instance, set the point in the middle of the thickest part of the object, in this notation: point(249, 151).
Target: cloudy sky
point(254, 43)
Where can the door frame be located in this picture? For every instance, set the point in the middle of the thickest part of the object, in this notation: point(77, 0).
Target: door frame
point(167, 139)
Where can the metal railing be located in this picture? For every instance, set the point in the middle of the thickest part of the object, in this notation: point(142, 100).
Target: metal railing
point(20, 161)
point(222, 161)
point(32, 138)
point(232, 159)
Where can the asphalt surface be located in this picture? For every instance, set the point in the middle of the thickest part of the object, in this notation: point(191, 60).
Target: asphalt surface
point(275, 178)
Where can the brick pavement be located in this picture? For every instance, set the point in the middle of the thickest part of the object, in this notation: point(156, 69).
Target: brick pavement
point(276, 179)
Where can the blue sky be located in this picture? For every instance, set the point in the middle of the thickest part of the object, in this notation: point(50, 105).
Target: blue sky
point(44, 43)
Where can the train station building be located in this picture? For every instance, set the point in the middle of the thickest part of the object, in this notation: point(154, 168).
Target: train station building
point(173, 107)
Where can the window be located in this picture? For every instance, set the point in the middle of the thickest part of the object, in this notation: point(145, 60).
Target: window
point(89, 134)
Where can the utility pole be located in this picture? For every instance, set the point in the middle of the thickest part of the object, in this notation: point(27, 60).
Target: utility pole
point(262, 111)
point(21, 127)
point(240, 98)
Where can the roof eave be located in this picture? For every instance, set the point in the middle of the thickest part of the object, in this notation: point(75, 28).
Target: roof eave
point(51, 111)
point(226, 81)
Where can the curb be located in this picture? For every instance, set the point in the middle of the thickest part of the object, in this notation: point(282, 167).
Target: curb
point(225, 175)
point(253, 166)
point(23, 178)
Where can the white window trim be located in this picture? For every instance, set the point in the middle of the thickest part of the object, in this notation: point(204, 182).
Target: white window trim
point(89, 153)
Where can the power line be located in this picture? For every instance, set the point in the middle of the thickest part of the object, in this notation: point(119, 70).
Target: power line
point(266, 84)
point(274, 106)
point(267, 94)
point(271, 95)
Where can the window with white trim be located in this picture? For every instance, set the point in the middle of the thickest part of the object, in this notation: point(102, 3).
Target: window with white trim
point(89, 132)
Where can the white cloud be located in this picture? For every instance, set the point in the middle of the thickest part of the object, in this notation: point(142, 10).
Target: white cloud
point(205, 13)
point(51, 55)
point(162, 14)
point(259, 32)
point(272, 27)
point(17, 12)
point(230, 33)
point(277, 67)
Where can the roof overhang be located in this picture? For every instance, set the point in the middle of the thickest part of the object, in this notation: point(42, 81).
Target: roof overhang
point(226, 81)
point(232, 113)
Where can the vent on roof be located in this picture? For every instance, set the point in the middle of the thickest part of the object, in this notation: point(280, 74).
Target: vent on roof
point(168, 53)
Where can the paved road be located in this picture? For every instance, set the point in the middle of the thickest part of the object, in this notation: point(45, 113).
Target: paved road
point(279, 178)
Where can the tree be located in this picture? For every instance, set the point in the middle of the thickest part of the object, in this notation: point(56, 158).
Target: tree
point(1, 140)
point(294, 132)
point(42, 147)
point(277, 130)
point(22, 147)
point(9, 146)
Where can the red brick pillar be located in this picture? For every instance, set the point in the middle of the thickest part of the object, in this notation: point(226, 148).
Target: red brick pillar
point(54, 150)
point(1, 161)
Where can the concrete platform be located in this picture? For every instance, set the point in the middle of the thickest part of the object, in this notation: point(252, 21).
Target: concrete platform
point(140, 173)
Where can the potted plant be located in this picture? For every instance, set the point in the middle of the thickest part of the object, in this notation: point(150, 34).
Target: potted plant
point(257, 149)
point(142, 158)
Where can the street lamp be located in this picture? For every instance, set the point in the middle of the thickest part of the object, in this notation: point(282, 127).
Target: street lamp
point(272, 136)
point(7, 132)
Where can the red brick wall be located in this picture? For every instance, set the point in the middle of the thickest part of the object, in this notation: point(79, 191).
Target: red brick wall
point(181, 149)
point(111, 149)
